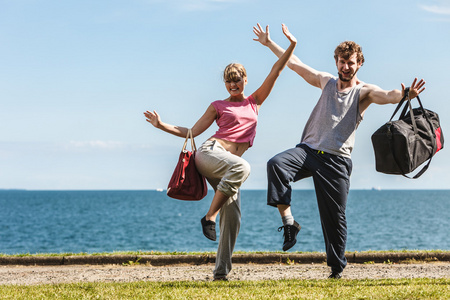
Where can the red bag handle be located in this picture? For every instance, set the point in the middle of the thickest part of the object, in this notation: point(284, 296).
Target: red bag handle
point(189, 136)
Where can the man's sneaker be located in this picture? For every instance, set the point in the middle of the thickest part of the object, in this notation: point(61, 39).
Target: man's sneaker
point(222, 278)
point(290, 235)
point(209, 229)
point(335, 275)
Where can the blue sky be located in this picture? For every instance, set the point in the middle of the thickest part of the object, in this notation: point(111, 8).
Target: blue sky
point(76, 76)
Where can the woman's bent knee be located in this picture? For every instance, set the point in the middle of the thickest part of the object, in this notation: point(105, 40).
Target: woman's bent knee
point(234, 178)
point(243, 170)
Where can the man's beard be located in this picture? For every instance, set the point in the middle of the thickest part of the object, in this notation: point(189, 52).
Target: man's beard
point(347, 79)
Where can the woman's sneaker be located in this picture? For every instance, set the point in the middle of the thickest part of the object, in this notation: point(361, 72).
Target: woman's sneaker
point(209, 229)
point(290, 235)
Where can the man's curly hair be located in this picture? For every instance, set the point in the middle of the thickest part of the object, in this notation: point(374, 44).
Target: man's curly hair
point(347, 49)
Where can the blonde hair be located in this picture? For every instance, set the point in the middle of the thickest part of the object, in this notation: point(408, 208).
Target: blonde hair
point(233, 71)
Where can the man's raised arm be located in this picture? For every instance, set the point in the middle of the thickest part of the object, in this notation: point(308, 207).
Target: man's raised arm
point(310, 75)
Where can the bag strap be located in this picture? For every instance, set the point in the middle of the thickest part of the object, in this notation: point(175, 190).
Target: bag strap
point(193, 147)
point(189, 136)
point(415, 132)
point(424, 113)
point(406, 95)
point(413, 120)
point(407, 105)
point(398, 106)
point(411, 114)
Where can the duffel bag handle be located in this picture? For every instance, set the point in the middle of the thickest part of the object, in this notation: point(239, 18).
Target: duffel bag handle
point(399, 105)
point(403, 114)
point(407, 104)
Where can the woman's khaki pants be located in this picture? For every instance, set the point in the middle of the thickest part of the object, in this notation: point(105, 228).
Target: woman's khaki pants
point(225, 172)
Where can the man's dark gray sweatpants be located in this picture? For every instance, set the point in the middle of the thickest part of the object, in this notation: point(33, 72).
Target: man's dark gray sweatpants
point(331, 175)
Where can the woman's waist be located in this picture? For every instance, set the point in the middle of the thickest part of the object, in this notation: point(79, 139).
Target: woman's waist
point(233, 147)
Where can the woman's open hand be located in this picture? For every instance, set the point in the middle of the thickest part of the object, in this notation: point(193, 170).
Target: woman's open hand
point(153, 118)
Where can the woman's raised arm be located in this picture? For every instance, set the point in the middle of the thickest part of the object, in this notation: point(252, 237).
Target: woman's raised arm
point(264, 90)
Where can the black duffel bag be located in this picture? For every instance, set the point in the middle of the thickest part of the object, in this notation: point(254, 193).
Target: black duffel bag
point(403, 145)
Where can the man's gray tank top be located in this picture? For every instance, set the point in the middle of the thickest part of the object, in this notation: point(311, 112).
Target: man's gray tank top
point(334, 120)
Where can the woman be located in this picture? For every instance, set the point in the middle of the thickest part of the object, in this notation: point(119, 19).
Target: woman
point(219, 158)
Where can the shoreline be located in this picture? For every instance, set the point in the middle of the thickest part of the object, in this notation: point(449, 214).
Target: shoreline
point(209, 258)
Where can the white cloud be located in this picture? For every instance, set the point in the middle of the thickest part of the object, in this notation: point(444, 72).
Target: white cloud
point(194, 5)
point(203, 5)
point(440, 8)
point(96, 144)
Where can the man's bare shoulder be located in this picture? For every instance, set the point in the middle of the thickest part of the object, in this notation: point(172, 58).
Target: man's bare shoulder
point(324, 78)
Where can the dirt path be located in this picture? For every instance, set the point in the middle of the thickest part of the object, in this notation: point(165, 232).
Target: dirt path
point(31, 275)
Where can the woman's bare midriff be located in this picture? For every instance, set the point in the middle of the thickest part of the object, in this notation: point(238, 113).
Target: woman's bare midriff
point(235, 148)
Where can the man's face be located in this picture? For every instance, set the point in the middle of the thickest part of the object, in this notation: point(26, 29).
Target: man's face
point(347, 68)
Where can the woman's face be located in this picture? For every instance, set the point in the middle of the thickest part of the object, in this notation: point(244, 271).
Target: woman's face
point(236, 87)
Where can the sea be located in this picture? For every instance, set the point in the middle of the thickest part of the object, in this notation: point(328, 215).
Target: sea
point(111, 221)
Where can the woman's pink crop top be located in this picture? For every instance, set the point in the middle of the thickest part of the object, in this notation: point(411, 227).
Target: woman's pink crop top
point(236, 120)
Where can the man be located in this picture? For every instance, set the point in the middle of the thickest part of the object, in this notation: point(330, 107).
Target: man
point(326, 145)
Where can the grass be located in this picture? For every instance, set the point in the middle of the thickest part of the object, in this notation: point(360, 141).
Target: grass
point(421, 288)
point(280, 289)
